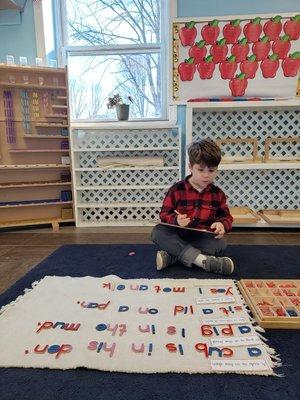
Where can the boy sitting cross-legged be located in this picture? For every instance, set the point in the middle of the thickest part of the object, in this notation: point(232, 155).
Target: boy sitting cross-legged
point(195, 202)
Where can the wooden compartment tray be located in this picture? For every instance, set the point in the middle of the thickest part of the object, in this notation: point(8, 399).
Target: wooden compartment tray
point(239, 141)
point(243, 215)
point(291, 217)
point(275, 303)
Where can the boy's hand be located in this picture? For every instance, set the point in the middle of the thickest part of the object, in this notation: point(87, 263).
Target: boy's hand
point(182, 219)
point(218, 229)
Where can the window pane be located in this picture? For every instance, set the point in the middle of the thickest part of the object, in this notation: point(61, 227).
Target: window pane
point(92, 79)
point(47, 8)
point(107, 22)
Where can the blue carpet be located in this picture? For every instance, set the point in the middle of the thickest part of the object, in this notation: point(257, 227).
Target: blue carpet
point(82, 384)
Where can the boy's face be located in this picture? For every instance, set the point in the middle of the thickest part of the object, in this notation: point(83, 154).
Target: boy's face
point(202, 175)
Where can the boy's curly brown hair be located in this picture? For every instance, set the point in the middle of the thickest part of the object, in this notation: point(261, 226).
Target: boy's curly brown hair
point(205, 152)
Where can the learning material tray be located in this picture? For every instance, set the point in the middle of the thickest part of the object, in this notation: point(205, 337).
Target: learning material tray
point(275, 303)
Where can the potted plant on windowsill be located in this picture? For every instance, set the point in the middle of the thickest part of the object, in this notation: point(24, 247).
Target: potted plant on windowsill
point(122, 108)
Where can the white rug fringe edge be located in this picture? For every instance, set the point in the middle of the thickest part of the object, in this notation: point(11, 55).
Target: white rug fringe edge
point(253, 373)
point(275, 359)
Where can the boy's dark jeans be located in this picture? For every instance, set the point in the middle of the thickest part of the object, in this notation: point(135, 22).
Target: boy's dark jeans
point(186, 245)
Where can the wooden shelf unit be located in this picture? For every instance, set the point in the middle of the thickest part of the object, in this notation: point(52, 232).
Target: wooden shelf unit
point(123, 195)
point(32, 173)
point(41, 221)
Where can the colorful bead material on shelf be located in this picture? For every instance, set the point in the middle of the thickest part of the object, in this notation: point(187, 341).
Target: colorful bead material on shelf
point(64, 145)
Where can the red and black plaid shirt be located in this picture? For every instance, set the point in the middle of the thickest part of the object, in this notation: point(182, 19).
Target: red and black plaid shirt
point(203, 208)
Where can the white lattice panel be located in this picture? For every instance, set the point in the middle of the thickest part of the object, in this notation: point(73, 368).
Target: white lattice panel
point(126, 138)
point(260, 189)
point(88, 159)
point(234, 149)
point(285, 150)
point(139, 216)
point(127, 177)
point(247, 124)
point(123, 195)
point(257, 188)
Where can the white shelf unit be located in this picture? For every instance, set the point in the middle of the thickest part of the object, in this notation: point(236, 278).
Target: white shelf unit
point(122, 196)
point(258, 185)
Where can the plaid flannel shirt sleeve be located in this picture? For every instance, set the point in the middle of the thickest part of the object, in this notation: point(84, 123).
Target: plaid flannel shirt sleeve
point(167, 213)
point(223, 213)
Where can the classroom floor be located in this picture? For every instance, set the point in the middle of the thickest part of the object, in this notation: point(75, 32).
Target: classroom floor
point(21, 250)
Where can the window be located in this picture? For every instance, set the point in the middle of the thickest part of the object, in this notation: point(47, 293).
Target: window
point(116, 46)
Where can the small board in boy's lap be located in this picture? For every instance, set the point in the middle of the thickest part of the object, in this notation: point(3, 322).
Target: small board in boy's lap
point(187, 228)
point(275, 303)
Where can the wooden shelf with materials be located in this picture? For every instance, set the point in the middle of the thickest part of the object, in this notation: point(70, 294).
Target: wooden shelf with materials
point(260, 155)
point(30, 170)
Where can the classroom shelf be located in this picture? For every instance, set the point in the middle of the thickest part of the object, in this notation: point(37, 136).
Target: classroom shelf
point(113, 149)
point(33, 184)
point(46, 137)
point(118, 205)
point(125, 187)
point(34, 166)
point(63, 116)
point(30, 69)
point(126, 169)
point(261, 165)
point(41, 221)
point(39, 151)
point(31, 86)
point(39, 121)
point(244, 105)
point(123, 195)
point(31, 169)
point(45, 203)
point(272, 184)
point(49, 125)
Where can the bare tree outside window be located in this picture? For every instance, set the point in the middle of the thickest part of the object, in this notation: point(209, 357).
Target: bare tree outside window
point(135, 72)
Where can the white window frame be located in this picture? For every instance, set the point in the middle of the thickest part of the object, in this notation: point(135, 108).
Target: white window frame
point(169, 11)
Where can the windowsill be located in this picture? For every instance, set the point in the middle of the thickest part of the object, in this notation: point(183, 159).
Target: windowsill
point(131, 124)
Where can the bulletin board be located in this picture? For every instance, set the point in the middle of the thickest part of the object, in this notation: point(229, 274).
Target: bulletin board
point(249, 56)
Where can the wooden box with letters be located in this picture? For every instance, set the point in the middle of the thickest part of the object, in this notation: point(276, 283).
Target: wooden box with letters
point(275, 303)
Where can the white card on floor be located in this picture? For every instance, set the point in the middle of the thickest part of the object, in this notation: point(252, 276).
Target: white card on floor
point(236, 341)
point(212, 300)
point(239, 365)
point(224, 321)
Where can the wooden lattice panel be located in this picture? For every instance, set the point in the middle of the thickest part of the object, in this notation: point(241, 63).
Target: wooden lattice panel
point(274, 303)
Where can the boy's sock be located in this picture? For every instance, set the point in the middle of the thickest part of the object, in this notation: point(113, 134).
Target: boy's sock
point(199, 260)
